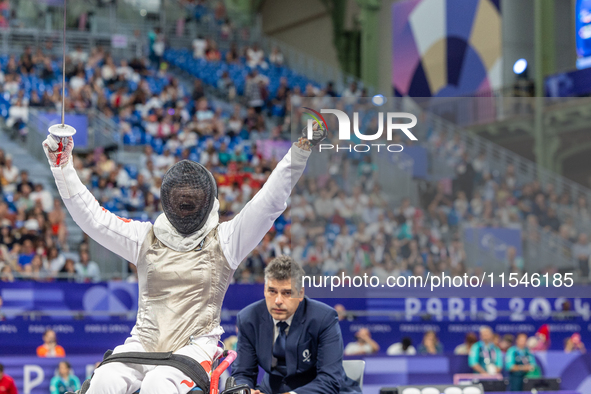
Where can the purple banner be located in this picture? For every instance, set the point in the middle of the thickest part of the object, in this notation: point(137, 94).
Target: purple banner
point(79, 122)
point(496, 239)
point(273, 149)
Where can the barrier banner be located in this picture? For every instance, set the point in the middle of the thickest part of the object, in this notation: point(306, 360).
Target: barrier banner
point(79, 122)
point(32, 374)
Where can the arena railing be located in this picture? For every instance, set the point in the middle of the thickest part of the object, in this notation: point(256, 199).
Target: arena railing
point(349, 314)
point(124, 19)
point(542, 249)
point(245, 34)
point(499, 158)
point(13, 40)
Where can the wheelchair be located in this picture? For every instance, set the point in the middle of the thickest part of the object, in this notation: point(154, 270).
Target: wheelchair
point(187, 365)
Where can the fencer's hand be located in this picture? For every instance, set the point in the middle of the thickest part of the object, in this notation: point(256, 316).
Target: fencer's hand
point(58, 151)
point(318, 135)
point(256, 392)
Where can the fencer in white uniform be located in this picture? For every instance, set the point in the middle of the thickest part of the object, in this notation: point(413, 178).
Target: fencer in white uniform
point(182, 276)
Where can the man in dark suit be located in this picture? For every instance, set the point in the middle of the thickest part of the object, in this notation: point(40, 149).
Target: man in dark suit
point(296, 340)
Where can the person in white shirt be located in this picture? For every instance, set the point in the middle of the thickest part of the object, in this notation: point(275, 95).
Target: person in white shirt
point(255, 56)
point(276, 57)
point(199, 45)
point(164, 161)
point(79, 56)
point(78, 81)
point(401, 348)
point(185, 261)
point(363, 345)
point(56, 260)
point(44, 196)
point(10, 173)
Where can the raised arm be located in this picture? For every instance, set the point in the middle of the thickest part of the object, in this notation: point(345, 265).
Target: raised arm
point(121, 236)
point(243, 233)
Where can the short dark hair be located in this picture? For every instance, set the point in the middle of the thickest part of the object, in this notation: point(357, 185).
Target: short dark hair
point(65, 362)
point(406, 343)
point(285, 268)
point(1, 368)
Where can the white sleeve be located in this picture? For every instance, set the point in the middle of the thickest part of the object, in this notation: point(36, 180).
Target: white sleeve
point(243, 233)
point(121, 236)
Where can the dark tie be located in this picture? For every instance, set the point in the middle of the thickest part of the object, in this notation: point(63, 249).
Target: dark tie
point(279, 347)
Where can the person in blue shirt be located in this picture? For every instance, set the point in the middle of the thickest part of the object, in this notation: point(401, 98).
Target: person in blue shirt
point(519, 361)
point(485, 357)
point(64, 380)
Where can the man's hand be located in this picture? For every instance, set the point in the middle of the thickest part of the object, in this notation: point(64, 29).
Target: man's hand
point(58, 152)
point(256, 392)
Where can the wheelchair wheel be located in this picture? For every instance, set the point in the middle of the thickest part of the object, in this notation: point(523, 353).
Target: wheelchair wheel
point(230, 382)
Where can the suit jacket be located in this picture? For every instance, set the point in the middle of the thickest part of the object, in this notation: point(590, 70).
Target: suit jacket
point(313, 354)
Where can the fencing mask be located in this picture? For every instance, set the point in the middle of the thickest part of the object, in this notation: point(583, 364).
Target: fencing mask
point(187, 194)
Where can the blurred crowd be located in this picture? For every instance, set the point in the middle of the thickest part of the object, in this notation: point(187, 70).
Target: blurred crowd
point(33, 232)
point(483, 198)
point(430, 344)
point(345, 223)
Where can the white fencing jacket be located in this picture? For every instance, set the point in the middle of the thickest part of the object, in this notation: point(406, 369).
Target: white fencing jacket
point(181, 291)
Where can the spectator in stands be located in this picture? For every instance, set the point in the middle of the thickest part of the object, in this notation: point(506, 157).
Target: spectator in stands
point(199, 45)
point(402, 348)
point(430, 344)
point(78, 56)
point(519, 361)
point(6, 274)
point(87, 270)
point(4, 16)
point(351, 93)
point(582, 252)
point(574, 343)
point(252, 91)
point(7, 385)
point(212, 53)
point(464, 348)
point(43, 196)
point(506, 342)
point(540, 341)
point(68, 271)
point(513, 262)
point(18, 116)
point(35, 270)
point(10, 175)
point(255, 57)
point(363, 345)
point(64, 381)
point(56, 220)
point(24, 181)
point(56, 260)
point(26, 253)
point(342, 313)
point(276, 57)
point(50, 348)
point(485, 357)
point(226, 86)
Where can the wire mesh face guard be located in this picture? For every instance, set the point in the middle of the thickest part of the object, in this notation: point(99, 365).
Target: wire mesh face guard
point(188, 193)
